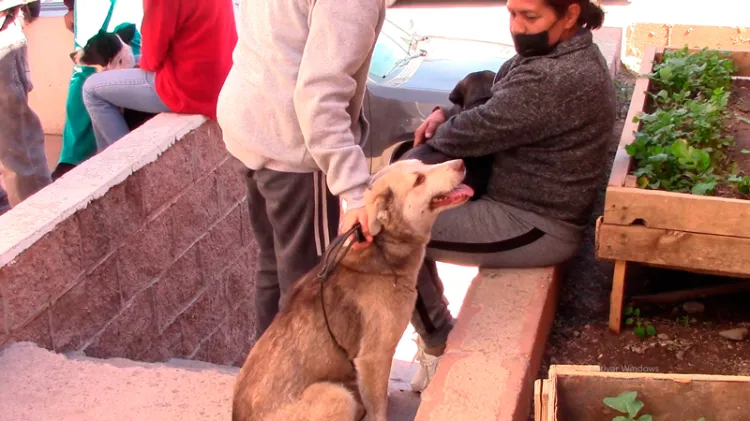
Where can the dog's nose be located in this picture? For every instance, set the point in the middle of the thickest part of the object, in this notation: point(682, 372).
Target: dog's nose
point(72, 55)
point(460, 166)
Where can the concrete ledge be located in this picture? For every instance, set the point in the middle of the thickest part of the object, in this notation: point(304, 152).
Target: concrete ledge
point(495, 350)
point(42, 212)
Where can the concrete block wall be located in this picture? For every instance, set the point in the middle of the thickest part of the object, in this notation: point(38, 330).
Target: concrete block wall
point(160, 265)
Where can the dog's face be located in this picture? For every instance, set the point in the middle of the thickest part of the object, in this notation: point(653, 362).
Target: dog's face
point(473, 90)
point(107, 50)
point(407, 196)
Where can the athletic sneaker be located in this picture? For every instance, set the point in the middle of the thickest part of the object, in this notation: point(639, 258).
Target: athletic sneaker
point(427, 367)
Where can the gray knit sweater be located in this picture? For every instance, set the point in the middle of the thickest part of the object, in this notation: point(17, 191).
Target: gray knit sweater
point(547, 126)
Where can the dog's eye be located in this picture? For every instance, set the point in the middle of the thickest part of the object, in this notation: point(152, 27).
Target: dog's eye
point(419, 180)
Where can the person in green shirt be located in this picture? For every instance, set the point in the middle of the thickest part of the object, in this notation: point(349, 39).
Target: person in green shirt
point(85, 18)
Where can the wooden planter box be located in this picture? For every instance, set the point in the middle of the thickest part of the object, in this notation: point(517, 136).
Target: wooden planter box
point(576, 393)
point(672, 230)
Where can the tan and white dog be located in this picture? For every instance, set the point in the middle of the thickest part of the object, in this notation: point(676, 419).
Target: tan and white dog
point(299, 370)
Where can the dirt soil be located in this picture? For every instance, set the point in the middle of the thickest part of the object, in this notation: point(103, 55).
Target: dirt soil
point(685, 343)
point(738, 126)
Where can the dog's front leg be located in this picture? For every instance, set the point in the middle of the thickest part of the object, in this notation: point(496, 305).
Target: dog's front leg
point(373, 372)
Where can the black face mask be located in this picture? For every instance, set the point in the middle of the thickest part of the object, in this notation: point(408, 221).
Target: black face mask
point(530, 45)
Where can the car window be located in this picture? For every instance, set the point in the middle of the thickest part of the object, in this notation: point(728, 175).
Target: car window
point(391, 47)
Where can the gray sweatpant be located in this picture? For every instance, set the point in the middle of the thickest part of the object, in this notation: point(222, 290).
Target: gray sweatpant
point(23, 164)
point(488, 234)
point(294, 218)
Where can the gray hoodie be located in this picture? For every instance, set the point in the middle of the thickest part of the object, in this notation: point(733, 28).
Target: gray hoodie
point(293, 99)
point(547, 125)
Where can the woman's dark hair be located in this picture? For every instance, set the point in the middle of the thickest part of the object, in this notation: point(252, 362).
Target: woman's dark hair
point(592, 16)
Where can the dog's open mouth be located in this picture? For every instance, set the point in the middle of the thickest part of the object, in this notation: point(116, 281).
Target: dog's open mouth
point(458, 195)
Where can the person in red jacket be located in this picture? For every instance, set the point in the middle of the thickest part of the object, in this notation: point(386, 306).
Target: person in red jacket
point(186, 55)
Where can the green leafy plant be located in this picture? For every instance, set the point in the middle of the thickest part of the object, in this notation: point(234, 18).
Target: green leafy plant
point(641, 328)
point(629, 404)
point(680, 145)
point(684, 321)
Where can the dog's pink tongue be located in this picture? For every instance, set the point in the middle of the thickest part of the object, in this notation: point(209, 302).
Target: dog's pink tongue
point(461, 192)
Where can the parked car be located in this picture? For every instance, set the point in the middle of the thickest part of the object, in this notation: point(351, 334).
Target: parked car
point(410, 75)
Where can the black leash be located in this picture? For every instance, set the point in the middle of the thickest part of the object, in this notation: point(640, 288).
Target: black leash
point(329, 266)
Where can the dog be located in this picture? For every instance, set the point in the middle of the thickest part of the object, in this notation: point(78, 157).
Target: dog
point(107, 50)
point(473, 90)
point(299, 370)
point(470, 92)
point(112, 51)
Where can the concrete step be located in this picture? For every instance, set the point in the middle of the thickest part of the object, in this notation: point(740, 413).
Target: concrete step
point(37, 384)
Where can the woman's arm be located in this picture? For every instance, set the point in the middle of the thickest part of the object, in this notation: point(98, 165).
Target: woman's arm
point(157, 31)
point(520, 113)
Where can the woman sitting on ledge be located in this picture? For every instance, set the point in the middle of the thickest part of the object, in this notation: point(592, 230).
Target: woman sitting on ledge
point(186, 55)
point(547, 129)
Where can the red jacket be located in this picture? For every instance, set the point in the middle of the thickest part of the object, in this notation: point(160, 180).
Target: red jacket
point(189, 44)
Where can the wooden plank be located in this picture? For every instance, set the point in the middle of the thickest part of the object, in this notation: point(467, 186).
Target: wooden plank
point(541, 400)
point(664, 399)
point(563, 370)
point(617, 297)
point(668, 397)
point(676, 249)
point(621, 163)
point(692, 294)
point(677, 211)
point(538, 401)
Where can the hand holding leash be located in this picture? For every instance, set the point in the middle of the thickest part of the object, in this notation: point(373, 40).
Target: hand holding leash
point(354, 217)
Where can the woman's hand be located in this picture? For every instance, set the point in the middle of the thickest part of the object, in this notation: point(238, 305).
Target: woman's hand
point(428, 127)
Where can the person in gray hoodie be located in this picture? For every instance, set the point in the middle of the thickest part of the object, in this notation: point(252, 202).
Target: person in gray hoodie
point(291, 111)
point(546, 130)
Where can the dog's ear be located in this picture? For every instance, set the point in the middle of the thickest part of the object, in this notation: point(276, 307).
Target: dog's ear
point(457, 94)
point(126, 33)
point(377, 215)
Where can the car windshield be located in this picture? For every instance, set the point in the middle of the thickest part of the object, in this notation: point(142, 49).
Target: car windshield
point(391, 48)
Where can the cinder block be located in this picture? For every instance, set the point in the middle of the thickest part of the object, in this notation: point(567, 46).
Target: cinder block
point(240, 278)
point(177, 288)
point(131, 333)
point(222, 244)
point(204, 316)
point(194, 211)
point(207, 147)
point(86, 308)
point(147, 253)
point(164, 179)
point(231, 182)
point(109, 220)
point(42, 273)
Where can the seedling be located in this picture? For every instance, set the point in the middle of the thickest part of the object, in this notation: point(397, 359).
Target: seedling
point(629, 404)
point(641, 328)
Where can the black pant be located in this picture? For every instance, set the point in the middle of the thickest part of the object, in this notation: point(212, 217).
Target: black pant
point(294, 217)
